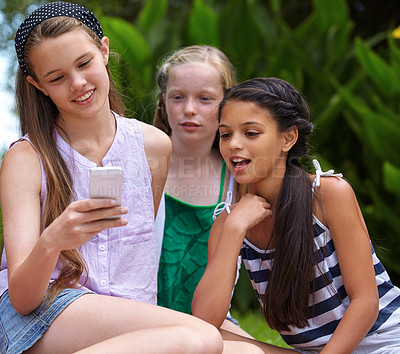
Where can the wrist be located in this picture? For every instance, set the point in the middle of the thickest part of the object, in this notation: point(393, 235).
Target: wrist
point(47, 244)
point(234, 227)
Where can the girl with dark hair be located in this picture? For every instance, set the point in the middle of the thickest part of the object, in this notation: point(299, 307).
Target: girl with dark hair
point(302, 238)
point(72, 278)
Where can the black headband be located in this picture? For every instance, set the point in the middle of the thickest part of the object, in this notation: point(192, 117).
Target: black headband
point(50, 10)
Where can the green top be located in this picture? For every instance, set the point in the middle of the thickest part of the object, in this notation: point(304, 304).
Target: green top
point(184, 251)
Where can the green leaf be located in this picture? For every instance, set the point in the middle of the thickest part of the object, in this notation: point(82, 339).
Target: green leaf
point(127, 41)
point(377, 69)
point(203, 24)
point(337, 46)
point(384, 108)
point(380, 130)
point(325, 14)
point(152, 12)
point(391, 178)
point(395, 53)
point(333, 106)
point(266, 24)
point(331, 12)
point(240, 34)
point(383, 211)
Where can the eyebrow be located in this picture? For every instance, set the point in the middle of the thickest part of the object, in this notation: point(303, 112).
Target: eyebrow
point(200, 92)
point(243, 124)
point(55, 70)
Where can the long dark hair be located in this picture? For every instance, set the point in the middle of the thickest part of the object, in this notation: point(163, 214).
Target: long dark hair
point(38, 114)
point(286, 298)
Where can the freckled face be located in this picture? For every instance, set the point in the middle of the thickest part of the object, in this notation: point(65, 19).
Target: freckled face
point(251, 143)
point(193, 94)
point(71, 70)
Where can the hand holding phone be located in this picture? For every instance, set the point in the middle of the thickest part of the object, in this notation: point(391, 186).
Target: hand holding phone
point(106, 182)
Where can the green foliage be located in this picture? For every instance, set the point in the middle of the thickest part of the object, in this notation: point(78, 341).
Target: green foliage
point(391, 177)
point(372, 110)
point(351, 83)
point(239, 32)
point(152, 12)
point(381, 73)
point(203, 24)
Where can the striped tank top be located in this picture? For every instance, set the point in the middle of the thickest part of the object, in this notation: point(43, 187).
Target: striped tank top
point(329, 300)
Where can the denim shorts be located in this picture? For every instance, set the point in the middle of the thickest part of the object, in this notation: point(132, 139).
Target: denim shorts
point(18, 333)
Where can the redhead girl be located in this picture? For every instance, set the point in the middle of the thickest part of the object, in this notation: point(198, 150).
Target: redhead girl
point(191, 82)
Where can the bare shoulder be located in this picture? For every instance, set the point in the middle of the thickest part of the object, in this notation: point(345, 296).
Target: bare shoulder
point(21, 166)
point(156, 142)
point(338, 201)
point(22, 155)
point(335, 188)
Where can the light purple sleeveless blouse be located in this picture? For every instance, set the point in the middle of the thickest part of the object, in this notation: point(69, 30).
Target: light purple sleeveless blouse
point(121, 261)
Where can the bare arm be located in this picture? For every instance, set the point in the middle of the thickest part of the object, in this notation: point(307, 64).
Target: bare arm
point(20, 186)
point(31, 256)
point(158, 149)
point(213, 294)
point(353, 249)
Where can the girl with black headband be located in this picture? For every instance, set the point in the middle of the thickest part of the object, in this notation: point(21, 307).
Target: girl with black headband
point(102, 272)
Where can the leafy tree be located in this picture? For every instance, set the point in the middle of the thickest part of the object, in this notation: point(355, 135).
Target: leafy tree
point(349, 72)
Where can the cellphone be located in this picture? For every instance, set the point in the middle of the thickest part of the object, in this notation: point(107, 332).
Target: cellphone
point(106, 182)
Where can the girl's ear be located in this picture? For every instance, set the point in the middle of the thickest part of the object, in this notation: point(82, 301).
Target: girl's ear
point(105, 49)
point(32, 81)
point(289, 138)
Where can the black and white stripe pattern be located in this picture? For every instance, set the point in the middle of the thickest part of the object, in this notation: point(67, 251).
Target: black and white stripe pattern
point(329, 301)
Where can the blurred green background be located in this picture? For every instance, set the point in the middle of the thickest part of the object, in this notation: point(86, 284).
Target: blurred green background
point(342, 55)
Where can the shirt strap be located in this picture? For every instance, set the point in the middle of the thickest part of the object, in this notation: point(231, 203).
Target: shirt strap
point(228, 200)
point(222, 181)
point(319, 173)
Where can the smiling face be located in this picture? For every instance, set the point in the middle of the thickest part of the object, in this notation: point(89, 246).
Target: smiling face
point(71, 70)
point(251, 144)
point(193, 94)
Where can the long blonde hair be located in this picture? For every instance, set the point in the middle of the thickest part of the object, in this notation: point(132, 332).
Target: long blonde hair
point(38, 114)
